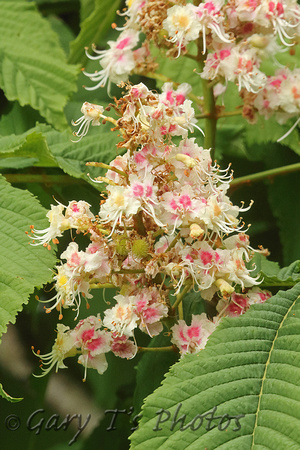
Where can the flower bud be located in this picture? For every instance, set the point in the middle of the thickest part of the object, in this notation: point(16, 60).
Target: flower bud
point(196, 231)
point(258, 41)
point(186, 160)
point(225, 288)
point(122, 246)
point(93, 112)
point(140, 248)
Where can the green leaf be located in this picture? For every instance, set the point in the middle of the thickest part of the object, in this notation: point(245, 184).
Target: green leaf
point(7, 396)
point(86, 8)
point(18, 119)
point(284, 197)
point(178, 70)
point(235, 135)
point(155, 363)
point(241, 392)
point(45, 147)
point(33, 67)
point(270, 130)
point(93, 28)
point(22, 266)
point(271, 273)
point(262, 132)
point(99, 145)
point(31, 146)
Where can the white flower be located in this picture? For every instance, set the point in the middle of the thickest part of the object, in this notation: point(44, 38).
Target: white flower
point(192, 338)
point(119, 202)
point(58, 224)
point(117, 62)
point(182, 25)
point(91, 115)
point(122, 319)
point(63, 347)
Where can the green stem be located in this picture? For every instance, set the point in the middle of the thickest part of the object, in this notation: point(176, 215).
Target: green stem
point(180, 311)
point(18, 178)
point(181, 294)
point(107, 166)
point(170, 348)
point(238, 112)
point(266, 174)
point(188, 55)
point(209, 106)
point(173, 243)
point(160, 77)
point(221, 114)
point(128, 271)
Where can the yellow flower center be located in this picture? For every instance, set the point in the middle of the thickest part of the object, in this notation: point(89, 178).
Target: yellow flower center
point(181, 21)
point(62, 280)
point(119, 200)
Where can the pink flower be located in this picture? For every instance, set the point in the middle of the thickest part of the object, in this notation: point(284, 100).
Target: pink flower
point(92, 343)
point(192, 338)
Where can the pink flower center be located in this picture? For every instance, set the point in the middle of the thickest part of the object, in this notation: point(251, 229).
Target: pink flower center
point(206, 257)
point(123, 43)
point(193, 331)
point(138, 190)
point(185, 201)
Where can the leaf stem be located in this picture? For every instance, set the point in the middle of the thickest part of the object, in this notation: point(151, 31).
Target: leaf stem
point(219, 115)
point(170, 348)
point(173, 243)
point(181, 294)
point(128, 271)
point(107, 166)
point(209, 106)
point(266, 174)
point(237, 112)
point(18, 178)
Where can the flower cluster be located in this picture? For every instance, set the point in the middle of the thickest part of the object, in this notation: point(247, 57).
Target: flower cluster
point(166, 225)
point(280, 97)
point(233, 39)
point(88, 341)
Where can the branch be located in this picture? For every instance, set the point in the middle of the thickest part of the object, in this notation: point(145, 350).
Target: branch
point(170, 348)
point(266, 174)
point(181, 294)
point(17, 178)
point(209, 106)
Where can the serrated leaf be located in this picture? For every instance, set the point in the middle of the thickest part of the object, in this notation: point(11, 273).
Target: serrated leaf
point(284, 198)
point(93, 28)
point(30, 146)
point(98, 145)
point(273, 275)
point(8, 397)
point(18, 119)
point(33, 67)
point(270, 130)
point(22, 266)
point(156, 364)
point(262, 132)
point(241, 392)
point(45, 147)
